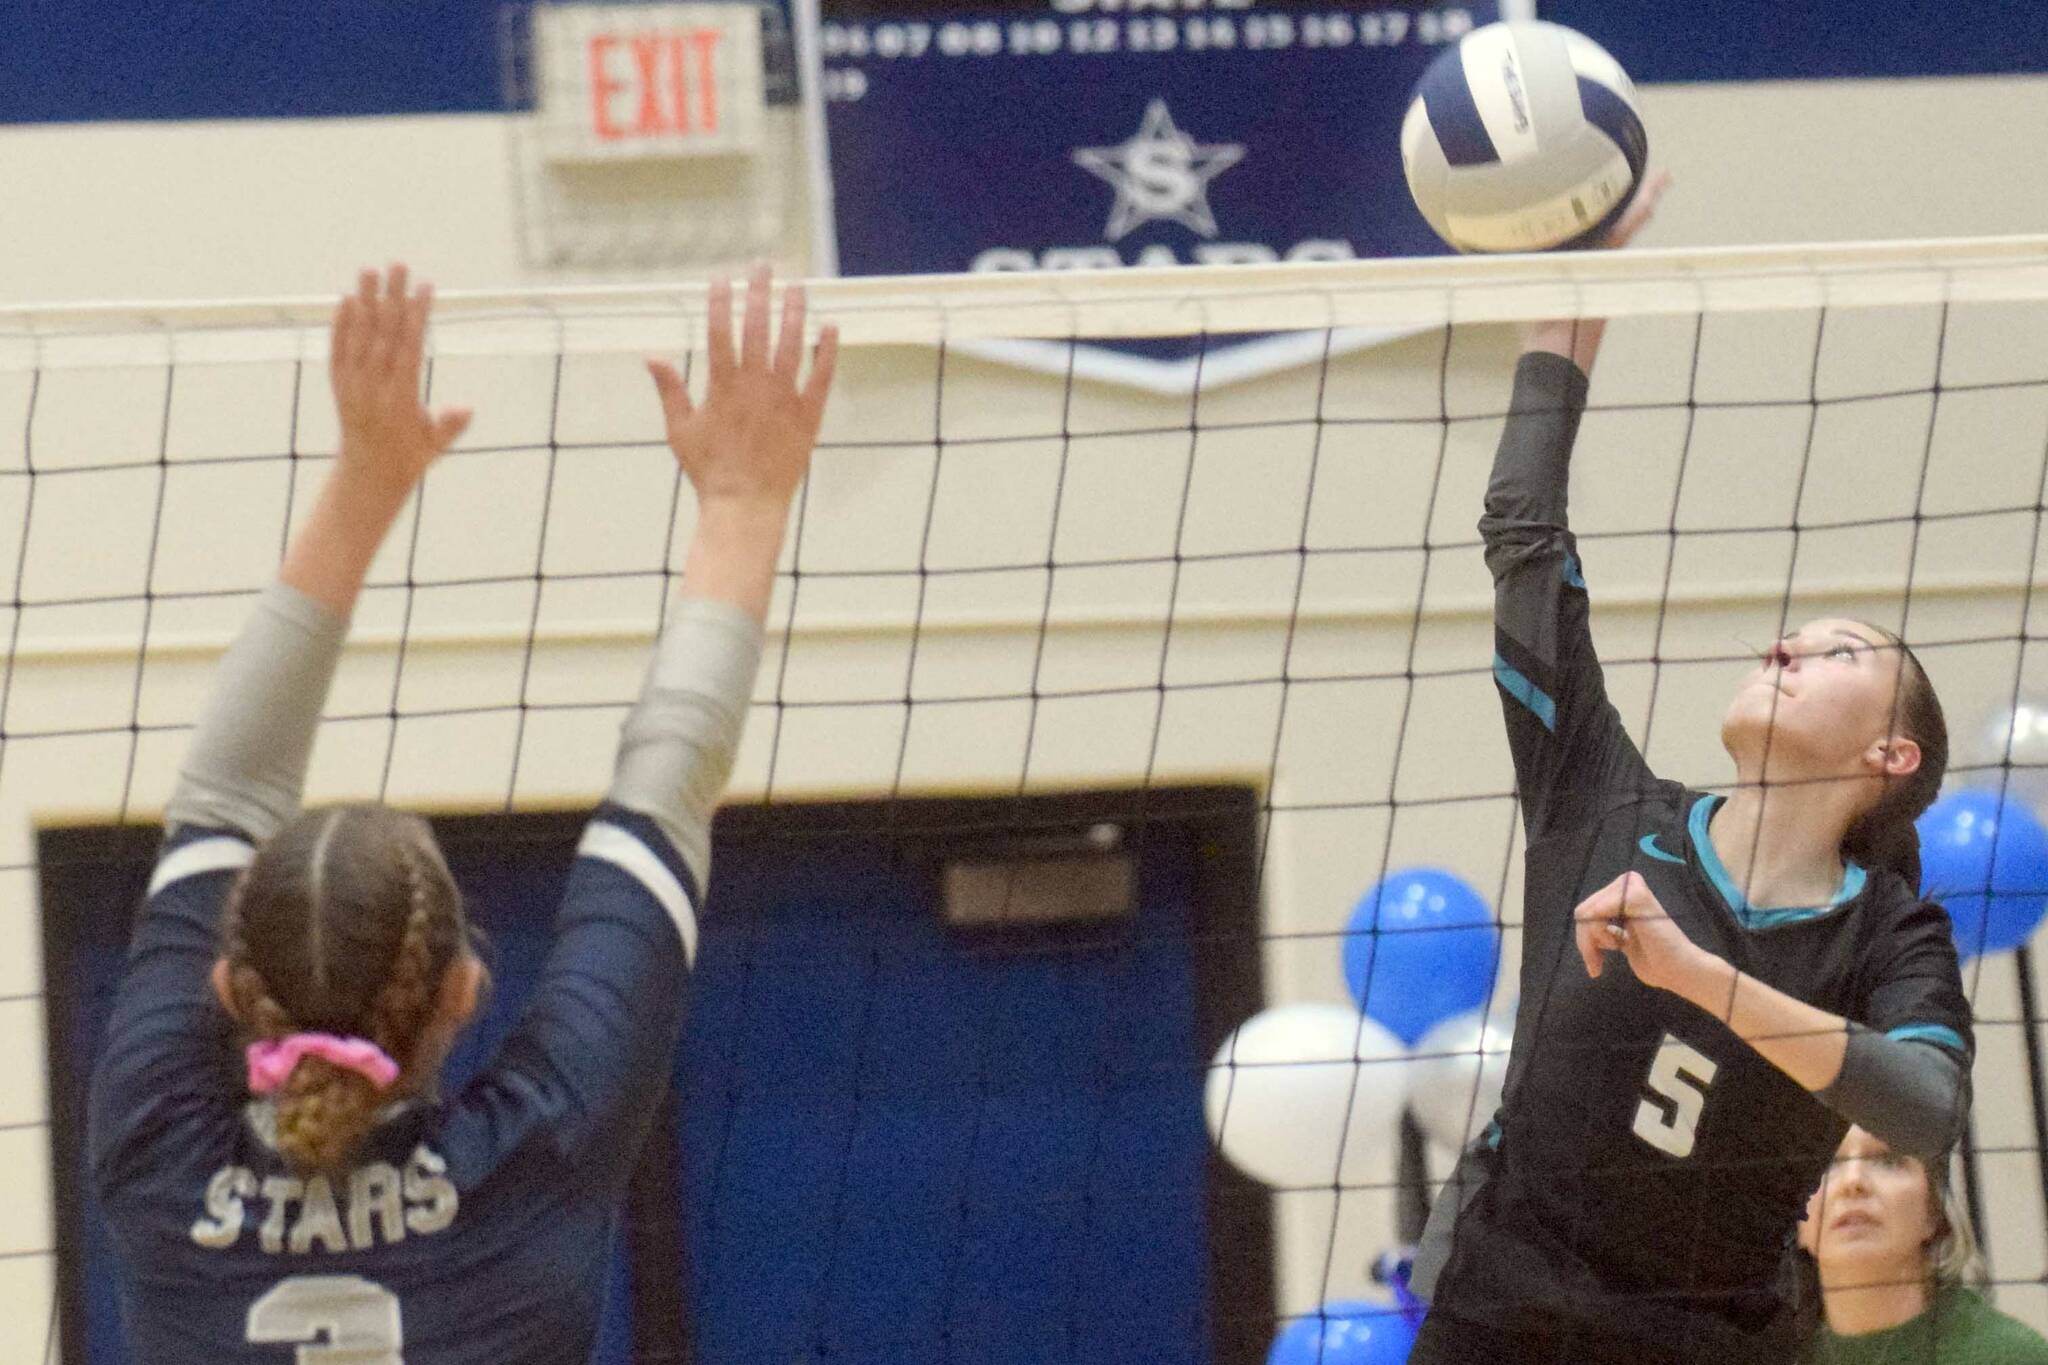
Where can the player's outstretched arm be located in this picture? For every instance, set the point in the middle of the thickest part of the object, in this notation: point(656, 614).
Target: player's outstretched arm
point(1568, 743)
point(247, 766)
point(745, 449)
point(1578, 339)
point(608, 1006)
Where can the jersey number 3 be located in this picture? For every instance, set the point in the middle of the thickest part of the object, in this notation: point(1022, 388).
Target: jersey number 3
point(359, 1319)
point(1670, 1118)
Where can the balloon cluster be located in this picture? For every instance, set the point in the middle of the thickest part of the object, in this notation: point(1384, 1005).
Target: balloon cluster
point(1308, 1095)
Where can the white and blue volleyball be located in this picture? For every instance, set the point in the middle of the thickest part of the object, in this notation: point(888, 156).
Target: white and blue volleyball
point(1523, 137)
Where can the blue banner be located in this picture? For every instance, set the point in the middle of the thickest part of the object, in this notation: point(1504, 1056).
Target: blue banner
point(1043, 138)
point(176, 59)
point(1771, 40)
point(80, 60)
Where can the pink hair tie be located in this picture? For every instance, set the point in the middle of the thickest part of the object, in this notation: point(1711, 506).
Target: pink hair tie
point(271, 1063)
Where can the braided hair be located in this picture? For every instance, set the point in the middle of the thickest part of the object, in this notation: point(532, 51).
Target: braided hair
point(345, 923)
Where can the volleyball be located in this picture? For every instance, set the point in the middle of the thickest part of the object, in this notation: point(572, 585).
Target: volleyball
point(1523, 137)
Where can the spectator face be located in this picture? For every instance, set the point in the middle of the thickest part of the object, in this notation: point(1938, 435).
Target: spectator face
point(1872, 1219)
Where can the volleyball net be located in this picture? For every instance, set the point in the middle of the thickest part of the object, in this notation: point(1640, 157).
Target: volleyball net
point(1009, 581)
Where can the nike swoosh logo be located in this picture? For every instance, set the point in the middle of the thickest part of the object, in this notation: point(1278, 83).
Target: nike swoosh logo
point(1648, 844)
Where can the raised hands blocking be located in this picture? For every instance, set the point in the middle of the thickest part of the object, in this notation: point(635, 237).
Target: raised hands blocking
point(388, 437)
point(750, 440)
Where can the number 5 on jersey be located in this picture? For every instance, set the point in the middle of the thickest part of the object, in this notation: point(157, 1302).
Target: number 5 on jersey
point(1679, 1077)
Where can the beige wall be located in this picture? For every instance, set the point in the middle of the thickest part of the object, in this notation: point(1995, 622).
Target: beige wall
point(122, 212)
point(204, 211)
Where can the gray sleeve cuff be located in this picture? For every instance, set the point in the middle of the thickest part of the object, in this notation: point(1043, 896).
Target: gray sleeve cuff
point(677, 747)
point(246, 769)
point(1914, 1096)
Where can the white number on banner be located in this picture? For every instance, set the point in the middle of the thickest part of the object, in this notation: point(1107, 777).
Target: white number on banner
point(359, 1319)
point(1443, 27)
point(1386, 29)
point(843, 84)
point(1680, 1075)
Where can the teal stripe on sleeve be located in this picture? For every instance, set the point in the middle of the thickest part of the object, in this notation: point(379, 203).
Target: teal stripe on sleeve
point(1928, 1033)
point(1529, 694)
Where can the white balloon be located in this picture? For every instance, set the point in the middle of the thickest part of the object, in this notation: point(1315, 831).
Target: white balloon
point(1454, 1081)
point(2018, 735)
point(1306, 1094)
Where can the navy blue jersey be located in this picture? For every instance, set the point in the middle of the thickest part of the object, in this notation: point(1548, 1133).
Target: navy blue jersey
point(471, 1230)
point(1649, 1168)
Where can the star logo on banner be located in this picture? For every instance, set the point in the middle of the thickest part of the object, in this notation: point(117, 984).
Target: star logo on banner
point(1160, 173)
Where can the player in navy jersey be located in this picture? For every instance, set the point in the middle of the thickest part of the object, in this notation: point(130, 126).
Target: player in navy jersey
point(1712, 988)
point(283, 1181)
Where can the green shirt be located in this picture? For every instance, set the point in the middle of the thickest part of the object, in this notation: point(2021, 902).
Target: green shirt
point(1957, 1329)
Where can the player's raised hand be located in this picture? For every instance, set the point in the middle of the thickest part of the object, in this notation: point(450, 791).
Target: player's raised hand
point(388, 438)
point(1639, 211)
point(750, 440)
point(1625, 917)
point(1578, 339)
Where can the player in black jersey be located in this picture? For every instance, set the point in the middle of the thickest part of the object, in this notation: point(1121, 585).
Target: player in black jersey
point(282, 1179)
point(1712, 989)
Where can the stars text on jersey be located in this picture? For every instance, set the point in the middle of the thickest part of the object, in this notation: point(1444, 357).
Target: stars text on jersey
point(376, 1203)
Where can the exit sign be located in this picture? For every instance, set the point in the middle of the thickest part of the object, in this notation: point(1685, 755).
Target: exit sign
point(635, 82)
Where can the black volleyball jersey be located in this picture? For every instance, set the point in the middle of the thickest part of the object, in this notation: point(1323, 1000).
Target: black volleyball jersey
point(1648, 1167)
point(470, 1231)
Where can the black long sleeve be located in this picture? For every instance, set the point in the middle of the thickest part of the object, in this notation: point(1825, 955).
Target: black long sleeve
point(1568, 741)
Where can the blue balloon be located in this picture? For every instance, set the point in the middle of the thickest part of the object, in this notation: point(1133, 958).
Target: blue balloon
point(1346, 1332)
point(1986, 859)
point(1421, 946)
